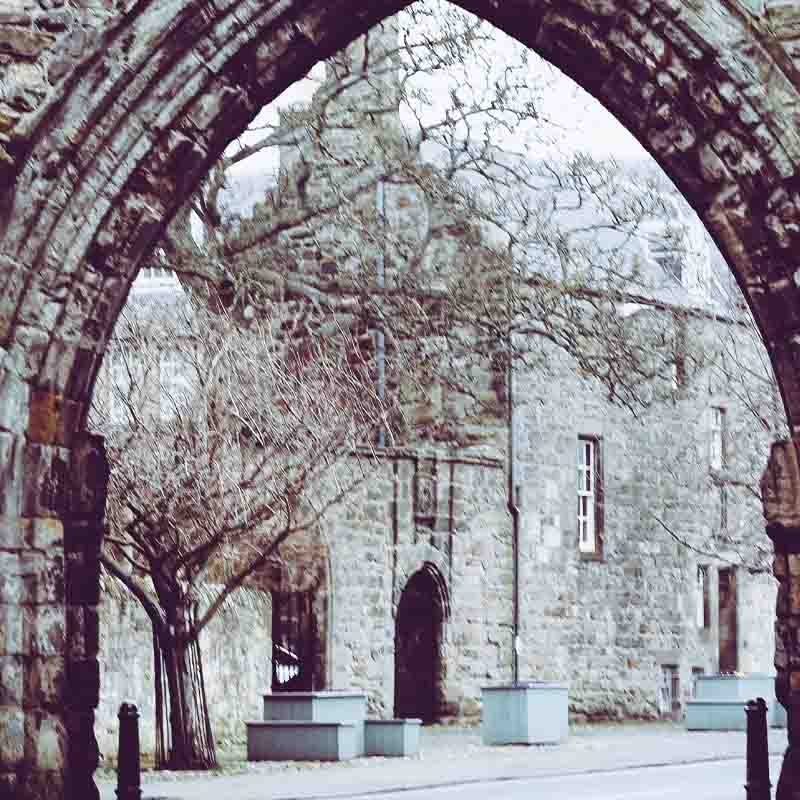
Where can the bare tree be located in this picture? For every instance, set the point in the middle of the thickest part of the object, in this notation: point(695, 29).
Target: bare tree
point(421, 195)
point(224, 443)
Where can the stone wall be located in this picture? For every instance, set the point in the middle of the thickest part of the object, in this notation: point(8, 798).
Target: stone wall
point(376, 546)
point(237, 658)
point(607, 623)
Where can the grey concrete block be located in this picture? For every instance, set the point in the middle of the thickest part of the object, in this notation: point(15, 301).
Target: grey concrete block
point(319, 707)
point(391, 737)
point(526, 713)
point(301, 740)
point(741, 687)
point(716, 715)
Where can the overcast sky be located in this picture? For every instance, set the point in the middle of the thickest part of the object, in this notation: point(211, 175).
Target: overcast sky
point(584, 123)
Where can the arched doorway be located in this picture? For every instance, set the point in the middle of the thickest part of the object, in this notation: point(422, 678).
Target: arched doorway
point(417, 647)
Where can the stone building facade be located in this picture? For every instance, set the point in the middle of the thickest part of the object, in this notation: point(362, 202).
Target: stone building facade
point(661, 593)
point(424, 552)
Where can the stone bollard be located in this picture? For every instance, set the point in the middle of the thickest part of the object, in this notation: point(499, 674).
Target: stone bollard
point(128, 766)
point(758, 784)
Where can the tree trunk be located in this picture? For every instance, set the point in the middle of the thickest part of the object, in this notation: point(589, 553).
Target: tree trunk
point(190, 742)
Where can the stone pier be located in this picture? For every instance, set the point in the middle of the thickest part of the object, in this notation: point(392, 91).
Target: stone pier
point(51, 515)
point(780, 489)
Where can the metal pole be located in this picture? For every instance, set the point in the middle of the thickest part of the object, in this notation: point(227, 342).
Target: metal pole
point(513, 508)
point(758, 783)
point(128, 764)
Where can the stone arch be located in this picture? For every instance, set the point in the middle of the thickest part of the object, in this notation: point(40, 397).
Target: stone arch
point(422, 611)
point(423, 557)
point(99, 169)
point(131, 108)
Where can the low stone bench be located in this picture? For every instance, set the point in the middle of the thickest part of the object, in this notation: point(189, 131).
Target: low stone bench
point(716, 715)
point(391, 737)
point(303, 740)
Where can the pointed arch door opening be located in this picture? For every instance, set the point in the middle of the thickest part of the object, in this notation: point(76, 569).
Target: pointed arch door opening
point(417, 648)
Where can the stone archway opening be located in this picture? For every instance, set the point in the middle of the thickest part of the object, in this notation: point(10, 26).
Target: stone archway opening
point(418, 662)
point(121, 112)
point(300, 625)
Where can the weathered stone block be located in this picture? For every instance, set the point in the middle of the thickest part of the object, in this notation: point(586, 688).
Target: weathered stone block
point(11, 587)
point(45, 533)
point(43, 577)
point(12, 630)
point(12, 737)
point(12, 691)
point(53, 417)
point(44, 681)
point(45, 630)
point(47, 735)
point(44, 487)
point(22, 42)
point(14, 392)
point(12, 534)
point(10, 476)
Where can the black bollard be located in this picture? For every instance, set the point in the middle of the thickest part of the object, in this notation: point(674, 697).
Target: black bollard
point(758, 784)
point(128, 765)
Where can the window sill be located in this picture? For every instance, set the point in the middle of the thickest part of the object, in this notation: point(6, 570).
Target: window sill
point(585, 556)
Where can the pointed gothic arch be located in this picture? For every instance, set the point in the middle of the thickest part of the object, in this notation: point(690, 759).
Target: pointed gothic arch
point(134, 106)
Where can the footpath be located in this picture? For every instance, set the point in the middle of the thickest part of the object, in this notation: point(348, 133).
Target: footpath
point(449, 756)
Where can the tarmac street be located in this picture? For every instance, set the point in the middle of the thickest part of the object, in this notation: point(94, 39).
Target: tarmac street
point(709, 780)
point(632, 761)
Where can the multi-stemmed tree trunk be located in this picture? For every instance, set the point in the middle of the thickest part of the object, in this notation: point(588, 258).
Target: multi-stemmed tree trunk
point(190, 744)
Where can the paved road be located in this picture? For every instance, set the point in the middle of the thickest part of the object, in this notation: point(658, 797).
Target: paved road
point(715, 780)
point(708, 780)
point(636, 760)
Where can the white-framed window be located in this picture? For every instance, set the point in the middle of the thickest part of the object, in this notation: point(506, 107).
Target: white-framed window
point(156, 274)
point(125, 378)
point(174, 383)
point(717, 433)
point(589, 488)
point(703, 613)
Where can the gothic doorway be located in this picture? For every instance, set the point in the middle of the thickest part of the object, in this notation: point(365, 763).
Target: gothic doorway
point(417, 648)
